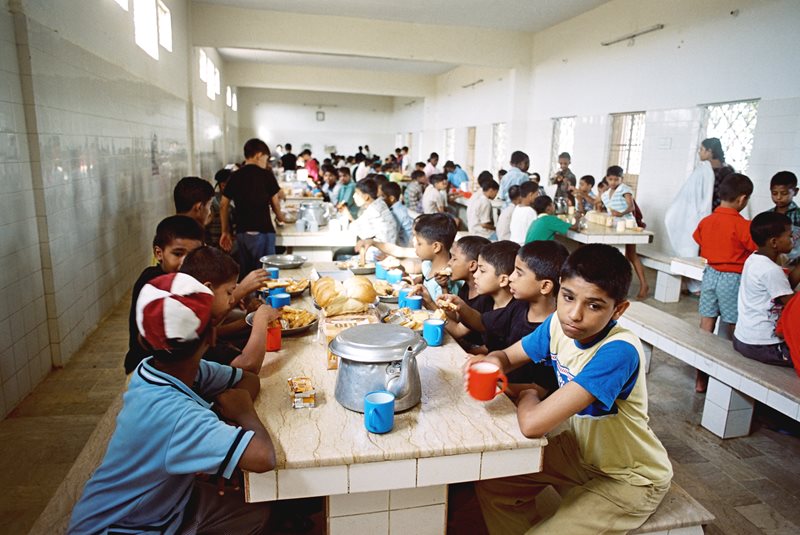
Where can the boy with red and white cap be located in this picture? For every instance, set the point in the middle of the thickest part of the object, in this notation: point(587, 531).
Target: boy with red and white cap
point(167, 432)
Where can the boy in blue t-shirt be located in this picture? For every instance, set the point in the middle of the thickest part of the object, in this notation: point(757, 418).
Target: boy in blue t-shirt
point(167, 432)
point(611, 469)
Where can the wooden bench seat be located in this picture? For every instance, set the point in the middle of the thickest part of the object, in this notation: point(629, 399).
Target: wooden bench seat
point(678, 514)
point(735, 382)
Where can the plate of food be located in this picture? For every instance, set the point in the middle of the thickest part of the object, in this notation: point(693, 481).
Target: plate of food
point(283, 261)
point(386, 292)
point(293, 320)
point(297, 286)
point(413, 319)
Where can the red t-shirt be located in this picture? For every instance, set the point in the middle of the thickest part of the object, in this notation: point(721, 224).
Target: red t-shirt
point(789, 328)
point(724, 239)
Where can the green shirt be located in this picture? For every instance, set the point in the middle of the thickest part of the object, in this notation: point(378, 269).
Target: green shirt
point(545, 227)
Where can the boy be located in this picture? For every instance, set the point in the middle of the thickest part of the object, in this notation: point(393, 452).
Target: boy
point(374, 219)
point(725, 243)
point(432, 200)
point(534, 286)
point(479, 210)
point(783, 187)
point(584, 200)
point(330, 183)
point(214, 227)
point(609, 466)
point(764, 290)
point(166, 432)
point(456, 176)
point(175, 237)
point(344, 197)
point(414, 191)
point(523, 213)
point(516, 176)
point(405, 225)
point(433, 237)
point(218, 271)
point(504, 221)
point(192, 196)
point(564, 179)
point(546, 225)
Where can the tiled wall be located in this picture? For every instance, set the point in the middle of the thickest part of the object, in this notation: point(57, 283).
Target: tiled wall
point(24, 350)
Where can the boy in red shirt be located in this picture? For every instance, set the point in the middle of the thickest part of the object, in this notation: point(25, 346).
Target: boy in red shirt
point(725, 242)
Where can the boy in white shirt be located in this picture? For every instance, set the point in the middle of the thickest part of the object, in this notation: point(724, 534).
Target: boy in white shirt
point(763, 291)
point(504, 221)
point(479, 210)
point(524, 214)
point(432, 200)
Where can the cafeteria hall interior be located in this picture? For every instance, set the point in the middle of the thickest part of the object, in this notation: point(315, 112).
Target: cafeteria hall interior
point(106, 104)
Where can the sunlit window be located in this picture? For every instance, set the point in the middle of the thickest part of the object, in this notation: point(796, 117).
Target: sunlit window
point(228, 96)
point(145, 26)
point(122, 3)
point(217, 82)
point(203, 66)
point(210, 93)
point(164, 26)
point(563, 140)
point(234, 103)
point(627, 138)
point(499, 149)
point(734, 123)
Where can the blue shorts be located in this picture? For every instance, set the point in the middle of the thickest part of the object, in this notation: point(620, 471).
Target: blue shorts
point(719, 295)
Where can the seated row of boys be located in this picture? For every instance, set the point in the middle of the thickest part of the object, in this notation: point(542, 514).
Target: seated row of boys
point(548, 320)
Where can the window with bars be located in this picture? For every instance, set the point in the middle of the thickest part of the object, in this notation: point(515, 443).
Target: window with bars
point(499, 146)
point(627, 137)
point(734, 123)
point(563, 140)
point(450, 144)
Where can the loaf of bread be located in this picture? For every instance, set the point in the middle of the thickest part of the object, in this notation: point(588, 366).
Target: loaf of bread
point(351, 297)
point(324, 291)
point(361, 289)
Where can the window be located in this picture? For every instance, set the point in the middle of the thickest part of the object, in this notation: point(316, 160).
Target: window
point(499, 150)
point(122, 3)
point(164, 26)
point(228, 96)
point(450, 144)
point(203, 62)
point(234, 103)
point(734, 123)
point(627, 136)
point(563, 140)
point(145, 26)
point(470, 169)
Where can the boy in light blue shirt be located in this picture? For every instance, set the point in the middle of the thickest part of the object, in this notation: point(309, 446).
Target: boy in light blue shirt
point(405, 225)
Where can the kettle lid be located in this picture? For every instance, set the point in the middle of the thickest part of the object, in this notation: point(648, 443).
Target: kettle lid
point(375, 342)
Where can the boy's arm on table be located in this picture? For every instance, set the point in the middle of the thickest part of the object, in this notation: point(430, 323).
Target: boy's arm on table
point(250, 283)
point(387, 248)
point(537, 417)
point(464, 313)
point(236, 405)
point(250, 383)
point(252, 356)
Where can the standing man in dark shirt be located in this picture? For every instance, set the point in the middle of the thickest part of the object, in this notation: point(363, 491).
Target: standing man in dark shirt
point(253, 189)
point(289, 160)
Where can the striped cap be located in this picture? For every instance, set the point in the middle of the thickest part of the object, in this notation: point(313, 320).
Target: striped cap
point(173, 309)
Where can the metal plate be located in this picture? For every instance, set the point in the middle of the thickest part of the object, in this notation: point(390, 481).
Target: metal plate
point(297, 330)
point(363, 270)
point(283, 261)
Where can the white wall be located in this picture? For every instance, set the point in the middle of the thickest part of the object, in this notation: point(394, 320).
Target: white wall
point(703, 55)
point(278, 117)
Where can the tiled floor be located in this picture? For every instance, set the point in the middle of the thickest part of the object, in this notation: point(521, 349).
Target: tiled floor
point(750, 483)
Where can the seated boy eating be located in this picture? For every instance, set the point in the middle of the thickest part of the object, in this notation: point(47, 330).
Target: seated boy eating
point(463, 264)
point(609, 467)
point(433, 237)
point(216, 270)
point(167, 432)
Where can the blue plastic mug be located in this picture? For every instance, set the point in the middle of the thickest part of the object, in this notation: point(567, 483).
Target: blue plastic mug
point(279, 300)
point(393, 276)
point(433, 332)
point(380, 272)
point(401, 296)
point(414, 302)
point(273, 272)
point(379, 411)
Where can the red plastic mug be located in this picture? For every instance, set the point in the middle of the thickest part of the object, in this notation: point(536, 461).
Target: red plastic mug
point(274, 338)
point(482, 381)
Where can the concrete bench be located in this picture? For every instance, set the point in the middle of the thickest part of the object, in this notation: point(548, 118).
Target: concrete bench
point(668, 284)
point(735, 382)
point(689, 267)
point(677, 514)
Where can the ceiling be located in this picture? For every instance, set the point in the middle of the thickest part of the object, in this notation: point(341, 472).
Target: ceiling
point(334, 61)
point(518, 15)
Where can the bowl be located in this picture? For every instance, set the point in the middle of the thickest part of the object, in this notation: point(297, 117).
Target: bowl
point(283, 261)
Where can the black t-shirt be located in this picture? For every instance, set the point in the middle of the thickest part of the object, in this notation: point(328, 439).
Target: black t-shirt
point(481, 303)
point(137, 352)
point(289, 162)
point(251, 188)
point(507, 326)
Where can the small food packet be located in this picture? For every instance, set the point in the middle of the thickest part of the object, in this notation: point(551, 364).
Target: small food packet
point(302, 393)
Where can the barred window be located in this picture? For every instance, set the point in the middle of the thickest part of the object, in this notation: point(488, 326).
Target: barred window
point(499, 146)
point(734, 123)
point(627, 137)
point(563, 140)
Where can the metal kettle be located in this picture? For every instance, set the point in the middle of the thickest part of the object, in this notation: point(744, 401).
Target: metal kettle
point(315, 211)
point(374, 357)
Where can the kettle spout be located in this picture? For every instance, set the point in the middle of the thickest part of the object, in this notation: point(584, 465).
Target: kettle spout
point(399, 384)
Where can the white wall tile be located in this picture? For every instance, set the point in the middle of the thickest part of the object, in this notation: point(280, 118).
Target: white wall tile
point(360, 503)
point(306, 482)
point(448, 469)
point(418, 497)
point(430, 520)
point(377, 523)
point(384, 475)
point(510, 462)
point(262, 487)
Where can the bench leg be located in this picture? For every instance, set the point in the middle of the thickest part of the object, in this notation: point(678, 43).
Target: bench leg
point(727, 413)
point(648, 355)
point(668, 287)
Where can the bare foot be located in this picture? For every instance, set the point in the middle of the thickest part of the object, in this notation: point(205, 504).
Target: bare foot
point(701, 382)
point(643, 291)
